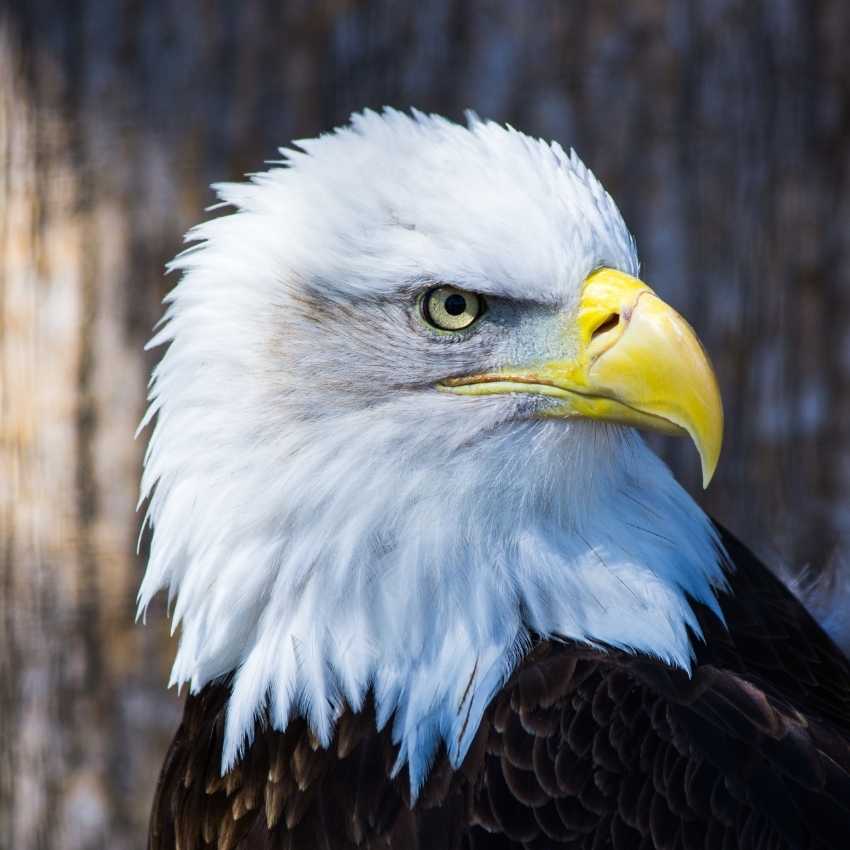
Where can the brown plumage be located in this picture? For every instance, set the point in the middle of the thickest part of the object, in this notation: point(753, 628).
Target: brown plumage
point(581, 749)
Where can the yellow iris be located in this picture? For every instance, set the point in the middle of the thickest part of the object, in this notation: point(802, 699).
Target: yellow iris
point(451, 309)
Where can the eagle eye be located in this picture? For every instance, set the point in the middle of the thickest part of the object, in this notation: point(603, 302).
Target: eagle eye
point(450, 309)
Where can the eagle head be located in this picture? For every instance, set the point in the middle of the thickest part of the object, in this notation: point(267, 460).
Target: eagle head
point(395, 434)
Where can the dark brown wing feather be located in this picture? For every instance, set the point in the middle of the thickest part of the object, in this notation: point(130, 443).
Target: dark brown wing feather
point(582, 749)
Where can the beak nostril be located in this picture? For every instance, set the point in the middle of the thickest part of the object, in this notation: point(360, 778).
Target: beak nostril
point(608, 325)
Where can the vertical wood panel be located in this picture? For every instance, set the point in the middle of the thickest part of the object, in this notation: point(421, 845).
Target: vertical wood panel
point(721, 127)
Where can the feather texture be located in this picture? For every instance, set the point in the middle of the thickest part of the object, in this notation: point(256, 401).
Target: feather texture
point(326, 524)
point(582, 749)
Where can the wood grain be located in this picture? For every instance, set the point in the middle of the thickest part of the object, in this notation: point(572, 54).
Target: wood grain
point(722, 129)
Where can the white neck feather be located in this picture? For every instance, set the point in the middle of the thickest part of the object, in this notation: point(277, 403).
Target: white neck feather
point(329, 566)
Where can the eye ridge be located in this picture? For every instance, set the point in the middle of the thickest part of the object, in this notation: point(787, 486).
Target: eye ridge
point(448, 308)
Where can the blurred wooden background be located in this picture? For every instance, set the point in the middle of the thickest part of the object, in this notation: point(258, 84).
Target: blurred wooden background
point(721, 127)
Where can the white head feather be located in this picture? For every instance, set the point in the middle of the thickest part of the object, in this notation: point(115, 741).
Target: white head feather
point(324, 520)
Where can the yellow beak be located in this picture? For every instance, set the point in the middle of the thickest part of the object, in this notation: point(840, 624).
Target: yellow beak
point(633, 360)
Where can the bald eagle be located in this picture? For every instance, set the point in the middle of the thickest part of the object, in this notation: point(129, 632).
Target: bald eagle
point(433, 590)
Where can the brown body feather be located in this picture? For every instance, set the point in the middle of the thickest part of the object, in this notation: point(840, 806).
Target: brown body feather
point(581, 749)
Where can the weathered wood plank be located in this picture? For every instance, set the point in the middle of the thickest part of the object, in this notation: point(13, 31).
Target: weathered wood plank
point(722, 128)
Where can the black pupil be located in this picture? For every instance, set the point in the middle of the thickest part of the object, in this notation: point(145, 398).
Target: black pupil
point(455, 304)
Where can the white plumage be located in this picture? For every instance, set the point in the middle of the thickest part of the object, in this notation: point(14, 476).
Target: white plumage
point(324, 520)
